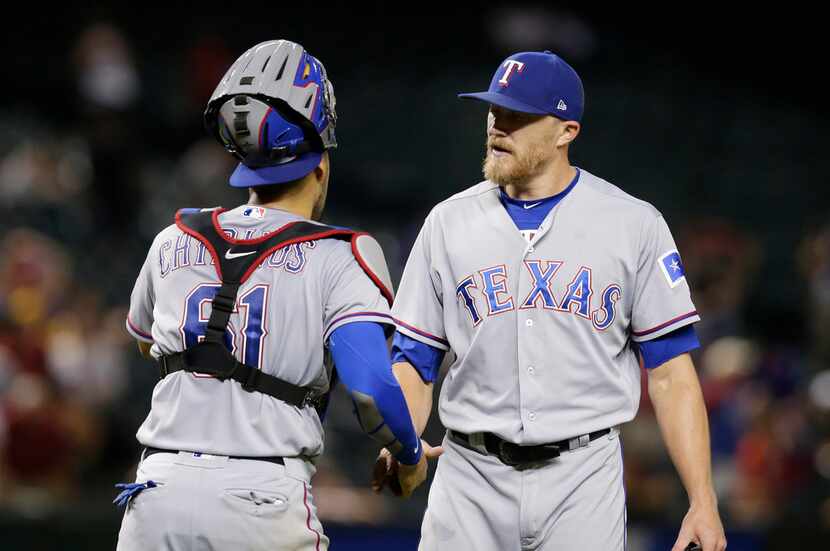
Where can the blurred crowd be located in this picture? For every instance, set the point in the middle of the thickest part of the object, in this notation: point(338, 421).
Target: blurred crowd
point(767, 397)
point(80, 202)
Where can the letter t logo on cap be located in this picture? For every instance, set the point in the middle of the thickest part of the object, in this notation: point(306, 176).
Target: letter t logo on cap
point(510, 64)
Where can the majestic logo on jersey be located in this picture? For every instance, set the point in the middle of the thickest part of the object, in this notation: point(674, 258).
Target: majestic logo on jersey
point(576, 298)
point(672, 268)
point(510, 65)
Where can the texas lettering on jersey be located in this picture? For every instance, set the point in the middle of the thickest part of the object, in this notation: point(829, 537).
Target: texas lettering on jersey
point(485, 293)
point(541, 330)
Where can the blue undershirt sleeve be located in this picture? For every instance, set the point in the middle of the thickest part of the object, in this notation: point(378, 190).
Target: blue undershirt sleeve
point(424, 358)
point(658, 351)
point(361, 357)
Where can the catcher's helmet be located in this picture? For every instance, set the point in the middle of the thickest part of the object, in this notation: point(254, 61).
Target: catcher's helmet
point(274, 111)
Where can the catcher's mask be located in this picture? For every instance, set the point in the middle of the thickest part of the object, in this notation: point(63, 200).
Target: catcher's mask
point(274, 110)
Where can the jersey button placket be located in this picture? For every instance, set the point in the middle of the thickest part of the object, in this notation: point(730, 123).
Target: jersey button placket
point(528, 342)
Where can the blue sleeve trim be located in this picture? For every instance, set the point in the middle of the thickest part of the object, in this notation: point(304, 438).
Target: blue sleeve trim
point(362, 359)
point(658, 351)
point(424, 358)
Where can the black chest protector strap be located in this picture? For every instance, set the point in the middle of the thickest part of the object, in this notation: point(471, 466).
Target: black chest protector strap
point(235, 261)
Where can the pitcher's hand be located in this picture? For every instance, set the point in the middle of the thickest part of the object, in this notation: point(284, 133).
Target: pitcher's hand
point(401, 479)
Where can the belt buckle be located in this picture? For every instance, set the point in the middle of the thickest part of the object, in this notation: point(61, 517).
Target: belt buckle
point(476, 442)
point(506, 456)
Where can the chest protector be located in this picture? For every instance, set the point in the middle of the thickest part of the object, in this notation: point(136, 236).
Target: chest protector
point(235, 260)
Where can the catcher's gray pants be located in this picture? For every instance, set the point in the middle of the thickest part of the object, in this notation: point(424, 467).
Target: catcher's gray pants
point(575, 502)
point(213, 503)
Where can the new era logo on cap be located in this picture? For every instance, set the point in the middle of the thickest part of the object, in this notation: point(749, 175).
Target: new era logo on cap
point(672, 268)
point(562, 106)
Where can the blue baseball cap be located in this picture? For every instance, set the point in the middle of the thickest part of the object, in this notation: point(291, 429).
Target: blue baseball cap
point(541, 83)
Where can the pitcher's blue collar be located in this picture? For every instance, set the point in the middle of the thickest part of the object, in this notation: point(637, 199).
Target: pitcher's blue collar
point(558, 197)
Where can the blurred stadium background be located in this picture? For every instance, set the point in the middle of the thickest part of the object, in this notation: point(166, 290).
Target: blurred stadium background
point(717, 120)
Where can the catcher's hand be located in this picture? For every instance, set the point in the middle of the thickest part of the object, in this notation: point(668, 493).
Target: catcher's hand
point(402, 480)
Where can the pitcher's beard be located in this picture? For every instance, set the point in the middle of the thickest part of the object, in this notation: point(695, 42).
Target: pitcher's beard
point(514, 169)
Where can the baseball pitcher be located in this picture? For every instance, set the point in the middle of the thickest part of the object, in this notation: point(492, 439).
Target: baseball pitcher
point(548, 286)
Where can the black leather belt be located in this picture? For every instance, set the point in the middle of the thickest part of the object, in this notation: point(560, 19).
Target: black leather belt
point(514, 454)
point(148, 451)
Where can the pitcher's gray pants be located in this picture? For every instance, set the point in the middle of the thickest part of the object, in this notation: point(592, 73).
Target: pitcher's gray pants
point(575, 502)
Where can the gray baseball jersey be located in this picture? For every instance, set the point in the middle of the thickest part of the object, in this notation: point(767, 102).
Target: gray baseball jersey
point(284, 314)
point(541, 330)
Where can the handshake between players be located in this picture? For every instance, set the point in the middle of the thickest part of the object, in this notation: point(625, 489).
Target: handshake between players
point(538, 280)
